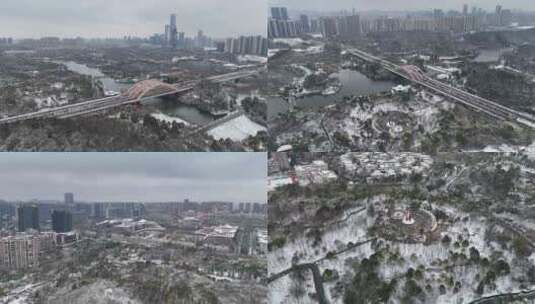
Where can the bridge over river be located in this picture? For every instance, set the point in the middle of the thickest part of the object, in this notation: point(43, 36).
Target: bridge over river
point(415, 75)
point(141, 91)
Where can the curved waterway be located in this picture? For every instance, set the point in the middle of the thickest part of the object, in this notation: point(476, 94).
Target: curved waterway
point(353, 83)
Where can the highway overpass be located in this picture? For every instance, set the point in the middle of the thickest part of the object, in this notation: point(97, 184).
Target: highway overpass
point(136, 94)
point(415, 75)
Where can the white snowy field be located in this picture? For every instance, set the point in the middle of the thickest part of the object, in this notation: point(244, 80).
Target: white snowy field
point(252, 58)
point(102, 291)
point(289, 41)
point(169, 119)
point(236, 129)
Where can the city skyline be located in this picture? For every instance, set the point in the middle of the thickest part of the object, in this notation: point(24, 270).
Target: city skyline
point(35, 19)
point(156, 177)
point(396, 5)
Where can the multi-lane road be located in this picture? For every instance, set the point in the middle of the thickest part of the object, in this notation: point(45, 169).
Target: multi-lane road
point(102, 104)
point(415, 75)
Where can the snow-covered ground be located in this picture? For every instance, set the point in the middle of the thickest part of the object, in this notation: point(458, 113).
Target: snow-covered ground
point(237, 129)
point(289, 41)
point(51, 101)
point(529, 151)
point(253, 94)
point(316, 49)
point(102, 291)
point(424, 113)
point(169, 119)
point(471, 228)
point(21, 294)
point(252, 58)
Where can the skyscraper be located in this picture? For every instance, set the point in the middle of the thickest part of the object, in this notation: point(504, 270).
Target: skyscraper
point(498, 9)
point(200, 39)
point(167, 34)
point(279, 13)
point(506, 17)
point(173, 32)
point(99, 210)
point(61, 221)
point(69, 198)
point(28, 217)
point(305, 23)
point(328, 26)
point(182, 39)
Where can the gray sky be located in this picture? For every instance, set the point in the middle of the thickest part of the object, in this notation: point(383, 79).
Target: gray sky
point(134, 176)
point(117, 18)
point(395, 5)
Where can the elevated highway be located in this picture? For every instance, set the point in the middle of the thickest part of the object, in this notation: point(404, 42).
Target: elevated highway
point(141, 91)
point(415, 75)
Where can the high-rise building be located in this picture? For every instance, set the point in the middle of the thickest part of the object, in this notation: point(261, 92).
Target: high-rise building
point(167, 34)
point(465, 9)
point(254, 45)
point(438, 13)
point(28, 217)
point(248, 208)
point(506, 17)
point(182, 39)
point(61, 221)
point(350, 25)
point(314, 26)
point(7, 213)
point(305, 23)
point(173, 32)
point(220, 46)
point(279, 13)
point(328, 27)
point(22, 251)
point(99, 210)
point(498, 15)
point(69, 198)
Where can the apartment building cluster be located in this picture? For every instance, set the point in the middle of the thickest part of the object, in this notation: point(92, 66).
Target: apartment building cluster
point(280, 25)
point(23, 249)
point(188, 206)
point(244, 45)
point(174, 39)
point(6, 40)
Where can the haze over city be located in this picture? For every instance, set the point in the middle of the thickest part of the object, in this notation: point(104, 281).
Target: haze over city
point(397, 5)
point(140, 177)
point(115, 18)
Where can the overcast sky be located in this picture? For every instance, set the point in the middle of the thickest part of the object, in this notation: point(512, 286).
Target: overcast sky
point(397, 5)
point(117, 18)
point(149, 177)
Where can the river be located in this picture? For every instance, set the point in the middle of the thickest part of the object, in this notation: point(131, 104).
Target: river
point(168, 107)
point(353, 83)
